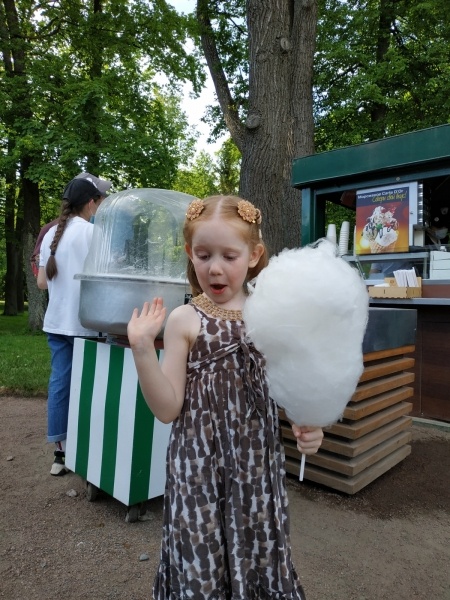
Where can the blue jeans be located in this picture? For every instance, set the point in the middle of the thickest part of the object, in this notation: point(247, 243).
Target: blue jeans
point(61, 348)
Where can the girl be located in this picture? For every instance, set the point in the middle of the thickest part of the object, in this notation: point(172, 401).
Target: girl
point(226, 533)
point(64, 248)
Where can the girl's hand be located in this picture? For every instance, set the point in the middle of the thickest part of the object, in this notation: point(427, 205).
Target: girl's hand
point(308, 439)
point(143, 328)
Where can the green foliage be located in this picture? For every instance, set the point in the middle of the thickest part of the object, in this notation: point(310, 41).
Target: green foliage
point(94, 102)
point(382, 68)
point(334, 213)
point(206, 177)
point(229, 163)
point(200, 180)
point(78, 92)
point(24, 358)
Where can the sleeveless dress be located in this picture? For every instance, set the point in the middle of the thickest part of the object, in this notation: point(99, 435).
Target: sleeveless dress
point(226, 529)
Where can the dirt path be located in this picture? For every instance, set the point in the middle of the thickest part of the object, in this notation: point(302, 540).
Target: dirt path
point(390, 541)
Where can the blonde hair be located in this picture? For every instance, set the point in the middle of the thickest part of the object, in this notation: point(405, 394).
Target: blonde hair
point(226, 207)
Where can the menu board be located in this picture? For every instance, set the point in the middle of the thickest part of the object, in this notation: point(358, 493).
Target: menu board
point(383, 219)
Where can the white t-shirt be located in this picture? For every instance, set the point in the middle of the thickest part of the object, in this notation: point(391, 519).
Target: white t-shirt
point(63, 290)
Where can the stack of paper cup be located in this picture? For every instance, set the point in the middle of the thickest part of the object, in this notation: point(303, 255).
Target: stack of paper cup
point(331, 233)
point(344, 237)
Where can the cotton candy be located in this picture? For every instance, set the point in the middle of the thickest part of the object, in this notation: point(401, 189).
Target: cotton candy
point(307, 314)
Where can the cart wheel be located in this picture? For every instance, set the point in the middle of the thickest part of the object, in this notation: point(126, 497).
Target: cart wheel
point(132, 514)
point(91, 492)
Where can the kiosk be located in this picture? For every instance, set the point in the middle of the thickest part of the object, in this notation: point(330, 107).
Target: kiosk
point(397, 194)
point(410, 173)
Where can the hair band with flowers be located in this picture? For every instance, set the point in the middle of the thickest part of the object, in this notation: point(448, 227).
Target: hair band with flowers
point(194, 209)
point(248, 212)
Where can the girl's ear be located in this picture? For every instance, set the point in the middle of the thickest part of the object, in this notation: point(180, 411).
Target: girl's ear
point(255, 255)
point(188, 250)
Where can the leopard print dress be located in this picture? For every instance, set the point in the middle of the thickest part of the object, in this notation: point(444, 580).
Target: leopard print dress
point(226, 531)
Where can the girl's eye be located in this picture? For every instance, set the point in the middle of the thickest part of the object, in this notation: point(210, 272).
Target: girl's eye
point(202, 256)
point(230, 257)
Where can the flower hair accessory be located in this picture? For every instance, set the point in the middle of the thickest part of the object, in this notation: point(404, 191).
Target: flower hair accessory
point(248, 212)
point(194, 209)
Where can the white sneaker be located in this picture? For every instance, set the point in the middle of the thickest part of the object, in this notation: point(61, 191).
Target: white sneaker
point(58, 466)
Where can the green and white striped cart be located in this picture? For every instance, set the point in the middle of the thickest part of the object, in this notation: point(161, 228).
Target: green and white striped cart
point(113, 440)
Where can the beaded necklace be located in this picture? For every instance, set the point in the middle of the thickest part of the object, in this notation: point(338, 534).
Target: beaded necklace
point(209, 307)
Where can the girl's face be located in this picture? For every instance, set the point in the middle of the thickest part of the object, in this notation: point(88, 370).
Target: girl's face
point(221, 260)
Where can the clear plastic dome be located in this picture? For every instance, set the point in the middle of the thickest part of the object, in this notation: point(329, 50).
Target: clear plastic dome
point(137, 254)
point(138, 232)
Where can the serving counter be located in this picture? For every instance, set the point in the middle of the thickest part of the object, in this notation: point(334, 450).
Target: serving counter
point(374, 434)
point(431, 397)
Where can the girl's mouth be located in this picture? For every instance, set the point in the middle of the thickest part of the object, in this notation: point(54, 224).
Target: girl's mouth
point(217, 288)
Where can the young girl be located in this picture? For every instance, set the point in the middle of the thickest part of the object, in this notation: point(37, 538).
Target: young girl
point(226, 532)
point(64, 248)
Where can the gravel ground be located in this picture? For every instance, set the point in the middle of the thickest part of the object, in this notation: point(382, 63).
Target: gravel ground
point(389, 541)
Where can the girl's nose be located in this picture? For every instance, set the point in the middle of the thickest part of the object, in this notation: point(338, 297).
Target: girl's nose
point(215, 267)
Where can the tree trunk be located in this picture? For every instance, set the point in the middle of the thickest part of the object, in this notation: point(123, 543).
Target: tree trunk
point(279, 124)
point(20, 289)
point(379, 110)
point(268, 138)
point(280, 104)
point(12, 253)
point(37, 299)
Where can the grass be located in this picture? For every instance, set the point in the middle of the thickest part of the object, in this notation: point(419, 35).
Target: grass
point(24, 358)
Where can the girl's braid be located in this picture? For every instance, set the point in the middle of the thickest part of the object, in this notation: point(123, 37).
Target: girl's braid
point(51, 269)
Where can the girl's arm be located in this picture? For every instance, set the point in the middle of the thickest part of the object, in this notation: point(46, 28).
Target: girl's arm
point(308, 439)
point(42, 279)
point(162, 386)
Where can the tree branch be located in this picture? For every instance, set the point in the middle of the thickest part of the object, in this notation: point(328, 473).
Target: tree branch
point(227, 104)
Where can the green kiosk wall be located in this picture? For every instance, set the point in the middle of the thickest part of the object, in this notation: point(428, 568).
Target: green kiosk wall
point(419, 155)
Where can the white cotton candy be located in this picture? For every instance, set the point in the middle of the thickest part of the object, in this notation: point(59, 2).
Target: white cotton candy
point(307, 315)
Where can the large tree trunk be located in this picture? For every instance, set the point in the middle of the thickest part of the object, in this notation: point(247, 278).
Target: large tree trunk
point(279, 125)
point(37, 299)
point(268, 139)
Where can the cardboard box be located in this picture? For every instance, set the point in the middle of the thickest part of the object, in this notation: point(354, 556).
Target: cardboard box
point(393, 291)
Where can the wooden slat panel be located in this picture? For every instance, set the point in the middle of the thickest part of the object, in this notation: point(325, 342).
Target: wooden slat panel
point(362, 409)
point(357, 447)
point(374, 433)
point(353, 466)
point(373, 388)
point(353, 484)
point(386, 368)
point(357, 429)
point(369, 356)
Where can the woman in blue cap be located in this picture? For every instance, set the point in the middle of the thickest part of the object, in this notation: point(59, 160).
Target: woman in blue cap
point(63, 251)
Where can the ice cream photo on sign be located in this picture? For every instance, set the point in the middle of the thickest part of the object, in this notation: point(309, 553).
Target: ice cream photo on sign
point(382, 220)
point(307, 313)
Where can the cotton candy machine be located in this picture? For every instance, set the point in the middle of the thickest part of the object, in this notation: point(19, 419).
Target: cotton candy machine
point(137, 253)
